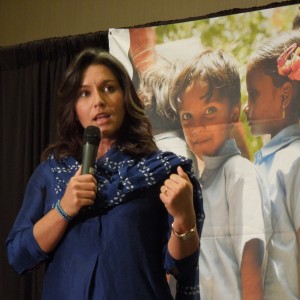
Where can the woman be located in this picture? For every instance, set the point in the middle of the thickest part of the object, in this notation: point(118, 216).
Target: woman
point(123, 245)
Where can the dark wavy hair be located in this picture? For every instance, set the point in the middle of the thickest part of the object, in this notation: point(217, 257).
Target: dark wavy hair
point(266, 55)
point(214, 67)
point(154, 90)
point(265, 58)
point(135, 136)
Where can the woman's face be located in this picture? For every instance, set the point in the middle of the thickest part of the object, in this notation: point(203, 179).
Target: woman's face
point(101, 101)
point(264, 107)
point(206, 123)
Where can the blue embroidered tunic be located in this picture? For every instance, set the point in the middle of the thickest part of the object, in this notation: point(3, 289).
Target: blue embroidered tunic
point(118, 248)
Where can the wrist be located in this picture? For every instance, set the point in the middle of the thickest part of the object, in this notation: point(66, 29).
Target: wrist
point(184, 222)
point(186, 234)
point(62, 213)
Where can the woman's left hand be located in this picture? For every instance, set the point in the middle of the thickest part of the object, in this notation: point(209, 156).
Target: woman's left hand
point(177, 196)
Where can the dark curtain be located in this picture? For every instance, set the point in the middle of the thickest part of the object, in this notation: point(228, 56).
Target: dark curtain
point(30, 75)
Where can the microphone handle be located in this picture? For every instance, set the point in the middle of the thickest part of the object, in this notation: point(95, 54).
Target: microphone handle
point(88, 158)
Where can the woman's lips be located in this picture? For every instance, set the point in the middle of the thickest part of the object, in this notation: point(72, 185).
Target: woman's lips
point(101, 118)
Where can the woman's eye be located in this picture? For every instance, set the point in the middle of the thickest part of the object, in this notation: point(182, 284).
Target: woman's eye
point(109, 89)
point(211, 110)
point(83, 93)
point(186, 116)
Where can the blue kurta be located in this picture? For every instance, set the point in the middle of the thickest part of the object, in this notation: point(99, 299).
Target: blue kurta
point(117, 249)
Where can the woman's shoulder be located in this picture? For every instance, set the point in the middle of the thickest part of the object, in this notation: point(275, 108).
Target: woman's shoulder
point(51, 165)
point(163, 163)
point(170, 159)
point(63, 162)
point(168, 155)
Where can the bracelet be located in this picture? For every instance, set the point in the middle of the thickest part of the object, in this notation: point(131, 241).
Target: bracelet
point(186, 235)
point(62, 212)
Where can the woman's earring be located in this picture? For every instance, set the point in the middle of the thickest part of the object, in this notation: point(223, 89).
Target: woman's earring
point(283, 111)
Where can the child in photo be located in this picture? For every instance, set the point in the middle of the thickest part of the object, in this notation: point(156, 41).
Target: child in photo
point(206, 95)
point(154, 90)
point(273, 75)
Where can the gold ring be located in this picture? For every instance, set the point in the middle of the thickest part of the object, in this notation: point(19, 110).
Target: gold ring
point(165, 191)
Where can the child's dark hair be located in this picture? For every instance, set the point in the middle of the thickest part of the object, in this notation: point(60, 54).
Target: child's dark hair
point(154, 90)
point(214, 67)
point(266, 55)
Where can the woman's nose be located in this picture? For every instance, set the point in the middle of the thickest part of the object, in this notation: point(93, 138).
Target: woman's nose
point(98, 99)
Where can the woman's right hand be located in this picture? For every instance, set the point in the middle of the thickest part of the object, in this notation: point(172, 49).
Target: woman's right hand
point(81, 191)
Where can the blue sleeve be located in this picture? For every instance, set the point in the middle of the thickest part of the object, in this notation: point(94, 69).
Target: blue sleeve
point(187, 276)
point(186, 270)
point(23, 251)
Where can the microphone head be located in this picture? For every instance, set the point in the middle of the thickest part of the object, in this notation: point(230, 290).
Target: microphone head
point(92, 135)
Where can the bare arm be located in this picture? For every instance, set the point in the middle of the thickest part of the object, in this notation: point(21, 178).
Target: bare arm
point(178, 200)
point(80, 192)
point(142, 43)
point(251, 271)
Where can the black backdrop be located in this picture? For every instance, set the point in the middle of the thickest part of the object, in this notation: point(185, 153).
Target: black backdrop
point(30, 74)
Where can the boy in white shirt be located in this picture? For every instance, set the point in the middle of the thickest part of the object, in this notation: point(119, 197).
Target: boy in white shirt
point(206, 96)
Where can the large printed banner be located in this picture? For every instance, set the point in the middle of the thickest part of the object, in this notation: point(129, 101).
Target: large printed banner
point(225, 92)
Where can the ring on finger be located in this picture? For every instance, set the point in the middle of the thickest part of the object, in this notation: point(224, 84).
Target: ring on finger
point(165, 191)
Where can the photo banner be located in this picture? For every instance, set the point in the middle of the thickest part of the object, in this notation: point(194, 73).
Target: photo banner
point(243, 137)
point(239, 34)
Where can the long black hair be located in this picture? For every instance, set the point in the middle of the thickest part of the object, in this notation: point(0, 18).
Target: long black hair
point(135, 137)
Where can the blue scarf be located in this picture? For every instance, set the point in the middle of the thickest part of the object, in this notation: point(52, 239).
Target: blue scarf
point(119, 175)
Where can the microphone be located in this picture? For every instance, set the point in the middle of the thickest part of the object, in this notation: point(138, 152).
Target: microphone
point(91, 140)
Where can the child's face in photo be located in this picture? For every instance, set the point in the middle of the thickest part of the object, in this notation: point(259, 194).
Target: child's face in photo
point(264, 107)
point(206, 123)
